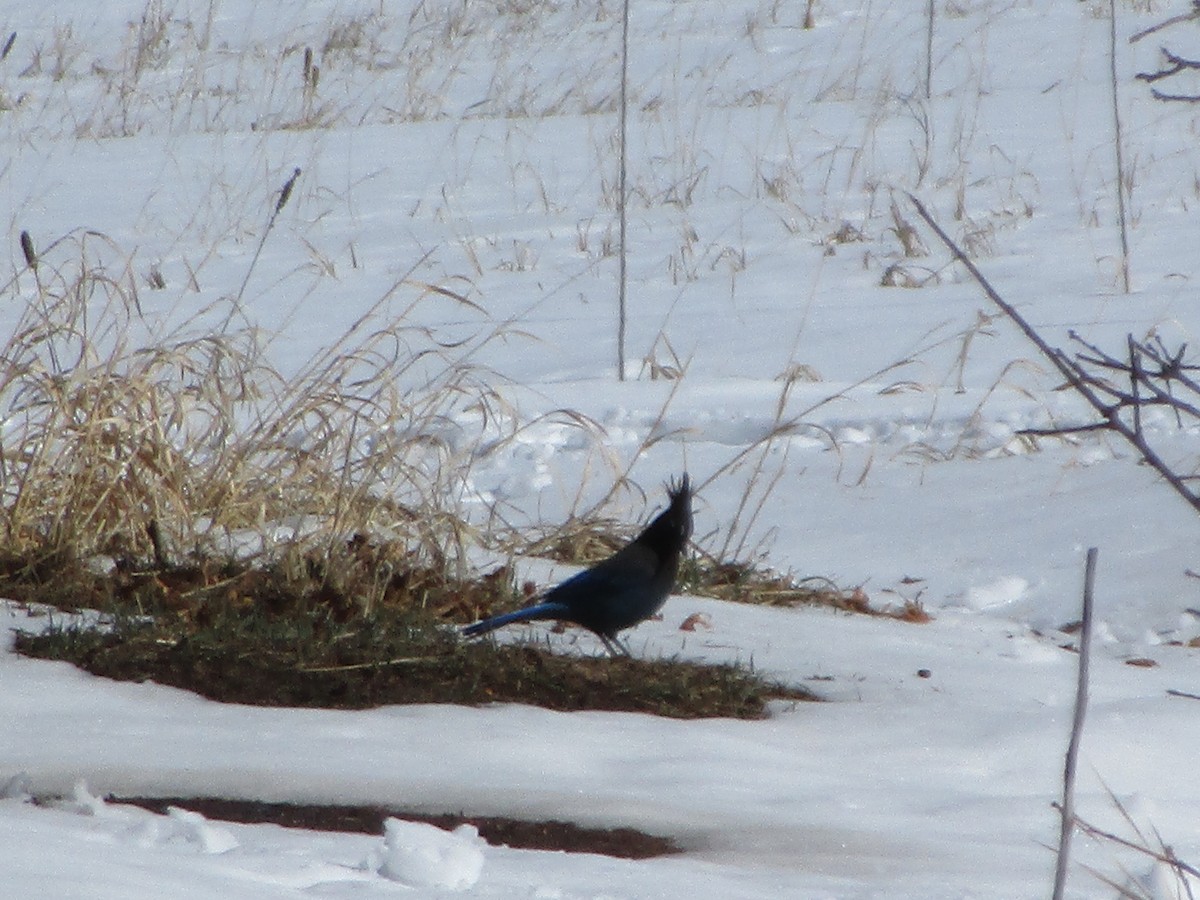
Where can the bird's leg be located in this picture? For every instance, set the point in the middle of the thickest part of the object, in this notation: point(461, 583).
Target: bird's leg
point(614, 646)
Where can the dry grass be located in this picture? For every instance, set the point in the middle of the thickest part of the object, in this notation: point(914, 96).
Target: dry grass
point(272, 540)
point(747, 583)
point(121, 443)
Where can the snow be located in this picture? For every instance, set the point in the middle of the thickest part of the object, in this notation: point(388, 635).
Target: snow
point(470, 146)
point(421, 855)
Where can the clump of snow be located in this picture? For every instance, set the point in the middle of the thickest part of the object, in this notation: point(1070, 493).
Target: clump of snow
point(424, 856)
point(180, 827)
point(83, 801)
point(1001, 592)
point(185, 826)
point(16, 788)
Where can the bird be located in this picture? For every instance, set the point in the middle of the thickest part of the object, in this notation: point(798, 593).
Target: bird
point(623, 590)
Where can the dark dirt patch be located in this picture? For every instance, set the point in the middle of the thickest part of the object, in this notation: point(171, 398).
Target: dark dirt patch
point(625, 843)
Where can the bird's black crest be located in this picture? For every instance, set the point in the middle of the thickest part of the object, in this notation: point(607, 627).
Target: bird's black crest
point(680, 489)
point(670, 531)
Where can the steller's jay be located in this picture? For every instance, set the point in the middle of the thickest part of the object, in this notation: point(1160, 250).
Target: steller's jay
point(623, 590)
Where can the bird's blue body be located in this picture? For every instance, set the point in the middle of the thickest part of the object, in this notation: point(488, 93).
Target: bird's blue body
point(623, 590)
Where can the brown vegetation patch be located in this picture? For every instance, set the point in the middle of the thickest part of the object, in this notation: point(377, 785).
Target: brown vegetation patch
point(360, 627)
point(745, 583)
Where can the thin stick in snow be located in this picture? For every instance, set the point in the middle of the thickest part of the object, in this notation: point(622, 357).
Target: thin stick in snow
point(622, 142)
point(929, 51)
point(1118, 137)
point(1067, 808)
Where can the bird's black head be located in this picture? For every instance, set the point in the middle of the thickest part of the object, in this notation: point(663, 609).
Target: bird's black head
point(668, 534)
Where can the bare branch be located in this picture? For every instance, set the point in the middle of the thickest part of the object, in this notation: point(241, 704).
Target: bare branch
point(1174, 98)
point(1064, 430)
point(1149, 385)
point(1176, 64)
point(1174, 20)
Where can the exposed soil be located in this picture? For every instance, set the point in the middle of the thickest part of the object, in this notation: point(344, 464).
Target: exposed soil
point(626, 843)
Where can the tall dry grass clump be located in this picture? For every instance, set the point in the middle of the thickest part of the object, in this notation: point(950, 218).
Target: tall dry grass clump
point(271, 540)
point(114, 441)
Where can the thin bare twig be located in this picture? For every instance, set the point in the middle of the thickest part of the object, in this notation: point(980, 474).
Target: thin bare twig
point(1067, 809)
point(1175, 65)
point(929, 17)
point(622, 190)
point(373, 664)
point(1174, 20)
point(1118, 141)
point(1167, 857)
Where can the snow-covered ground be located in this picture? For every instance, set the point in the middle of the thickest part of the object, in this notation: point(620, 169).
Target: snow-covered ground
point(471, 146)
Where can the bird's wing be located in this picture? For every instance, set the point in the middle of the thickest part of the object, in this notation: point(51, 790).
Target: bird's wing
point(629, 568)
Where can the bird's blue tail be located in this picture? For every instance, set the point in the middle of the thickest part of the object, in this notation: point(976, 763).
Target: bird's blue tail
point(530, 614)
